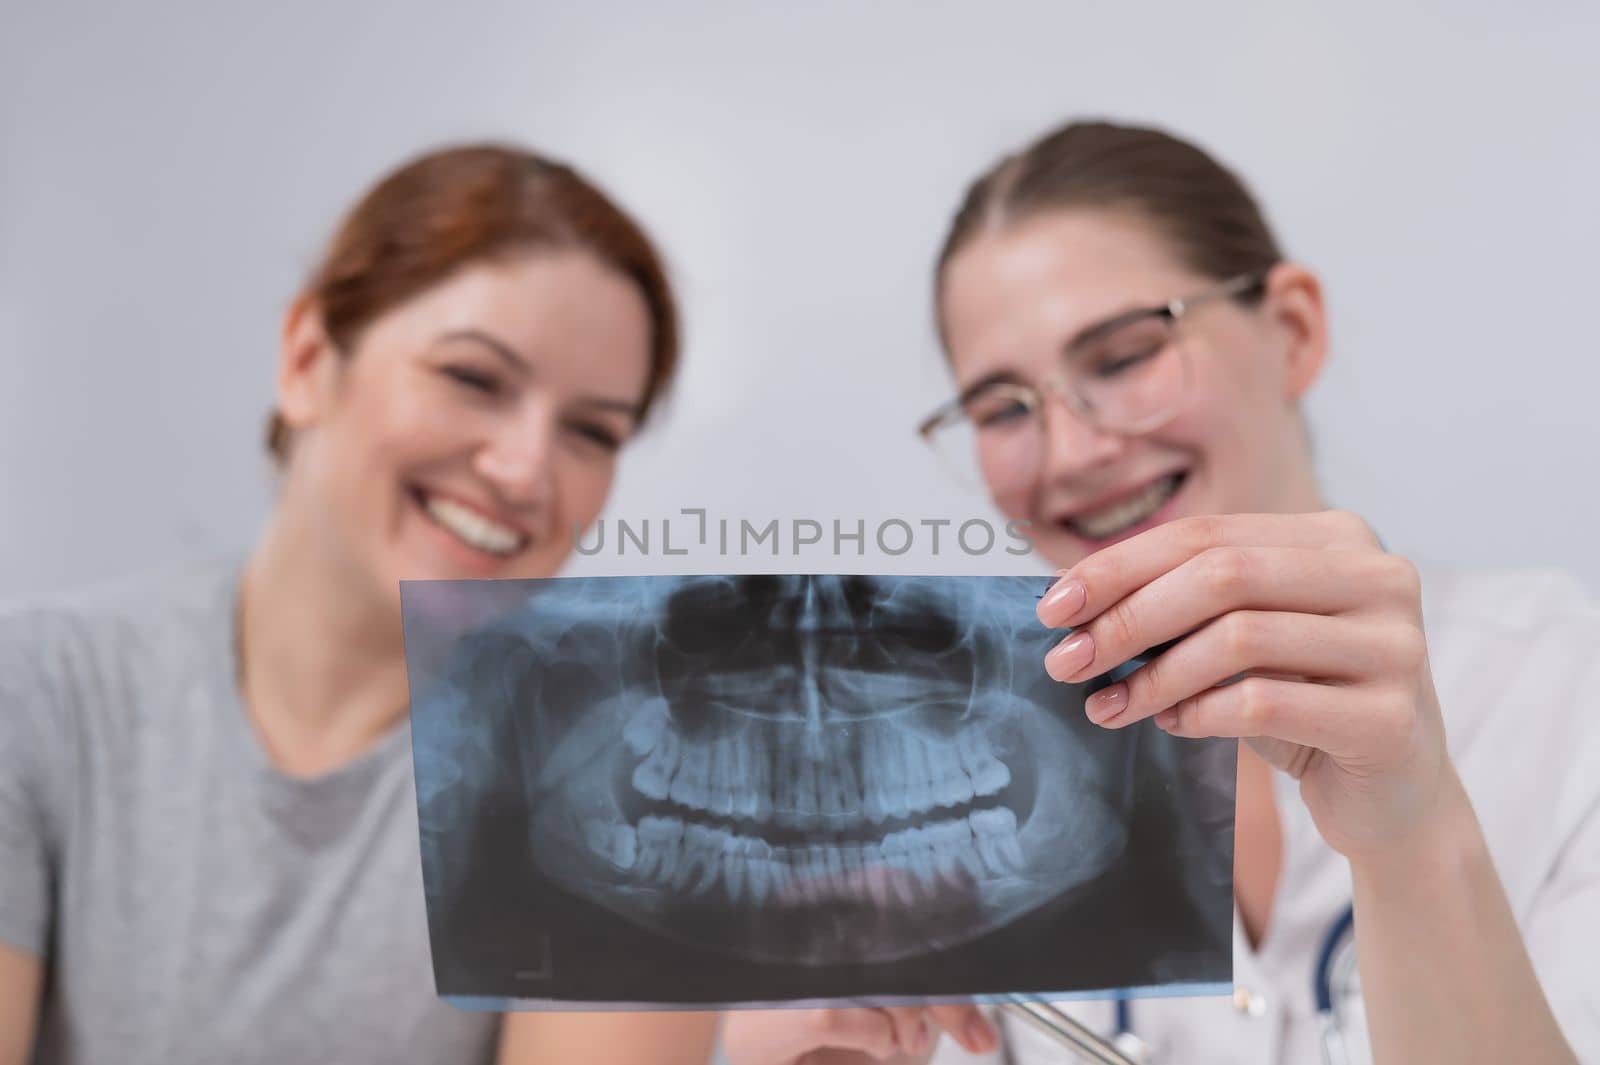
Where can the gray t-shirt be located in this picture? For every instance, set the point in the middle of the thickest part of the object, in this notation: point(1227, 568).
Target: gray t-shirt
point(193, 903)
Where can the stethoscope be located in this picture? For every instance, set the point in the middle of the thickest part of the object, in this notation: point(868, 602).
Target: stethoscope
point(1331, 978)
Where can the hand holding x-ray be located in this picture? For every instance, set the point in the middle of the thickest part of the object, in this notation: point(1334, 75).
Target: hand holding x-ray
point(1323, 626)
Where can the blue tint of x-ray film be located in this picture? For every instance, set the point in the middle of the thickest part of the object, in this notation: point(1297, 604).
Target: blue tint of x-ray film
point(807, 770)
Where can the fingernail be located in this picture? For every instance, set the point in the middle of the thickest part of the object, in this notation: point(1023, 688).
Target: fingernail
point(1107, 703)
point(980, 1035)
point(1070, 656)
point(1063, 600)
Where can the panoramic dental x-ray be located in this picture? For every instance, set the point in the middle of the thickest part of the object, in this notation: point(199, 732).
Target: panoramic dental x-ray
point(726, 790)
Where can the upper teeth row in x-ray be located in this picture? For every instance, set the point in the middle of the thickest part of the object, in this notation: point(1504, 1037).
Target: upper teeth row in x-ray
point(740, 774)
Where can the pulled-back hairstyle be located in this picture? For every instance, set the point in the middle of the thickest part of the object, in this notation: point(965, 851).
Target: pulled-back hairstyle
point(1203, 211)
point(458, 206)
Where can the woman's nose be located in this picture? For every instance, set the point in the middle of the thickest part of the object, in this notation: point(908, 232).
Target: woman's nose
point(517, 459)
point(1071, 443)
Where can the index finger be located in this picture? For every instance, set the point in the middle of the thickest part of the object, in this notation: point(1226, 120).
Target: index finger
point(968, 1026)
point(1107, 576)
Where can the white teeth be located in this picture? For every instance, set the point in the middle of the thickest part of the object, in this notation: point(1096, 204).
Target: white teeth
point(989, 774)
point(910, 851)
point(659, 841)
point(992, 778)
point(907, 867)
point(995, 832)
point(835, 866)
point(919, 774)
point(895, 848)
point(805, 786)
point(781, 866)
point(624, 846)
point(957, 853)
point(784, 768)
point(877, 877)
point(757, 868)
point(951, 784)
point(691, 785)
point(801, 885)
point(1110, 520)
point(804, 862)
point(703, 849)
point(892, 773)
point(742, 785)
point(759, 805)
point(734, 864)
point(473, 528)
point(598, 838)
point(872, 777)
point(894, 752)
point(801, 781)
point(653, 777)
point(724, 776)
point(851, 855)
point(841, 794)
point(824, 885)
point(901, 868)
point(645, 728)
point(920, 847)
point(820, 880)
point(617, 844)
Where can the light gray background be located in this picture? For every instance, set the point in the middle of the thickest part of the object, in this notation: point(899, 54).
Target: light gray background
point(168, 173)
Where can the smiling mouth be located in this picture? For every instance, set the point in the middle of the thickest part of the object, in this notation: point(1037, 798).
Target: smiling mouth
point(1127, 513)
point(470, 527)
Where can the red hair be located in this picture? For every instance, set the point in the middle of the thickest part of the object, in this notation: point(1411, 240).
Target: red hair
point(458, 206)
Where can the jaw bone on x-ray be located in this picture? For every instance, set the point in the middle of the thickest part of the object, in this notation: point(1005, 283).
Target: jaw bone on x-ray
point(804, 786)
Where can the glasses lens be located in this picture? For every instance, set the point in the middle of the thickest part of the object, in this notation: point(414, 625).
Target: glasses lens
point(992, 445)
point(1133, 377)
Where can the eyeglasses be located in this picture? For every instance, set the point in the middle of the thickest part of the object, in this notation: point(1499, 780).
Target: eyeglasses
point(1126, 375)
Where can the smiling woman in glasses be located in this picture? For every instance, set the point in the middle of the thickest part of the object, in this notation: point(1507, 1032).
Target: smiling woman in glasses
point(1131, 350)
point(1126, 374)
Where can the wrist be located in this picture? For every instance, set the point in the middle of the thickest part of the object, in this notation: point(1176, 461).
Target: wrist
point(1444, 840)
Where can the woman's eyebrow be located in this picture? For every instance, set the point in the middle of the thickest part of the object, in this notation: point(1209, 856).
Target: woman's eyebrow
point(989, 380)
point(1095, 330)
point(494, 344)
point(1092, 331)
point(622, 406)
point(509, 354)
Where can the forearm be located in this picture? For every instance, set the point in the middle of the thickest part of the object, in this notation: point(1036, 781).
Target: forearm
point(620, 1038)
point(20, 978)
point(1444, 972)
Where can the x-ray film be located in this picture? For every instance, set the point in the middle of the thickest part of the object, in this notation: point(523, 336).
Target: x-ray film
point(684, 792)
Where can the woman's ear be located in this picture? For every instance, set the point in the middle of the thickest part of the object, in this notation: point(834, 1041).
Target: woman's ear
point(305, 364)
point(1294, 303)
